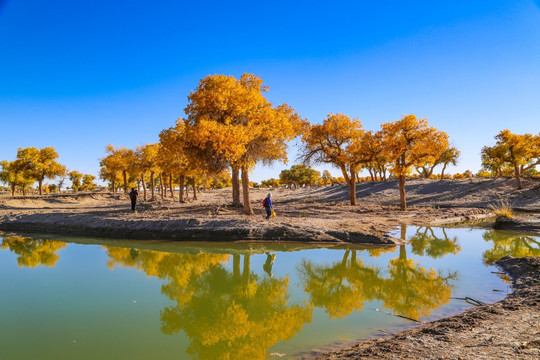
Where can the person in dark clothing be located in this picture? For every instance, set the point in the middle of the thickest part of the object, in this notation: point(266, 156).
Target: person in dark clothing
point(267, 203)
point(133, 194)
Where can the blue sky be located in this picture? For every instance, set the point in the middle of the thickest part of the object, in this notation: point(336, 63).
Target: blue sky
point(80, 75)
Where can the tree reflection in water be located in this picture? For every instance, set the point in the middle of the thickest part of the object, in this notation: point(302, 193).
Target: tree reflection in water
point(425, 242)
point(508, 243)
point(226, 315)
point(32, 252)
point(406, 288)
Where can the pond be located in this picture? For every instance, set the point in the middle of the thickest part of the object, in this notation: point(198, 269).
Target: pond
point(93, 298)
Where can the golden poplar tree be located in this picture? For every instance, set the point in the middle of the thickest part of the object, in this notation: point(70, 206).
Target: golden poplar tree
point(39, 164)
point(14, 176)
point(117, 163)
point(516, 151)
point(410, 142)
point(335, 142)
point(75, 177)
point(147, 159)
point(231, 123)
point(173, 156)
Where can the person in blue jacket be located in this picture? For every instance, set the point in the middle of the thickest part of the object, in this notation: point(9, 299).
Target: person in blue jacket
point(267, 203)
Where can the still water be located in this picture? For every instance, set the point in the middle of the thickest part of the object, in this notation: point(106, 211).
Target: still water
point(90, 298)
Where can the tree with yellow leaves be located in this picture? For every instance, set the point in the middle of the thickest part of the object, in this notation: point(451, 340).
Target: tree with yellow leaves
point(88, 182)
point(117, 163)
point(411, 142)
point(519, 152)
point(39, 164)
point(369, 151)
point(336, 141)
point(147, 160)
point(231, 123)
point(172, 155)
point(446, 157)
point(14, 176)
point(75, 177)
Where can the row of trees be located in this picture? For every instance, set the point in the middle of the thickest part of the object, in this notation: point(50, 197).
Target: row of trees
point(399, 147)
point(35, 165)
point(230, 125)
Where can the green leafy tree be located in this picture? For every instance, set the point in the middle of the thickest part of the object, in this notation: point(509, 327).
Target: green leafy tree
point(300, 175)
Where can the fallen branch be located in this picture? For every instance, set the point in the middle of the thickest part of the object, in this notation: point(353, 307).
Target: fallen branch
point(470, 301)
point(401, 316)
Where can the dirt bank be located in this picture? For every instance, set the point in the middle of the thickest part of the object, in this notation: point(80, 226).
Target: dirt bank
point(509, 329)
point(526, 223)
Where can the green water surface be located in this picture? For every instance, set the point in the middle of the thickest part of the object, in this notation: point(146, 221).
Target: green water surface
point(91, 298)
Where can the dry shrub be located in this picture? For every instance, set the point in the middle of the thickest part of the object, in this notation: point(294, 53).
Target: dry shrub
point(502, 209)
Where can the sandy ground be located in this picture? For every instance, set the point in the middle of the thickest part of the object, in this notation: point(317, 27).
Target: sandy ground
point(320, 213)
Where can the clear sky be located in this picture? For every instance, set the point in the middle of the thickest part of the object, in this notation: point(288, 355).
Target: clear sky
point(78, 75)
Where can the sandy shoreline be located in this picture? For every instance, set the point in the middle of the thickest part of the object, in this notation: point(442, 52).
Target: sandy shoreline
point(313, 215)
point(508, 329)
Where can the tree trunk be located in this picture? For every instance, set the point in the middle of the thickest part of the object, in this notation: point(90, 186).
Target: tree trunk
point(345, 258)
point(143, 186)
point(402, 199)
point(194, 189)
point(371, 174)
point(403, 232)
point(181, 189)
point(442, 172)
point(124, 173)
point(113, 186)
point(161, 185)
point(164, 187)
point(352, 188)
point(39, 185)
point(402, 252)
point(518, 178)
point(235, 186)
point(247, 267)
point(245, 191)
point(152, 186)
point(171, 186)
point(12, 190)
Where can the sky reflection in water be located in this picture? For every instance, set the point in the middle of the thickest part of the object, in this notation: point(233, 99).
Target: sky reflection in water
point(65, 299)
